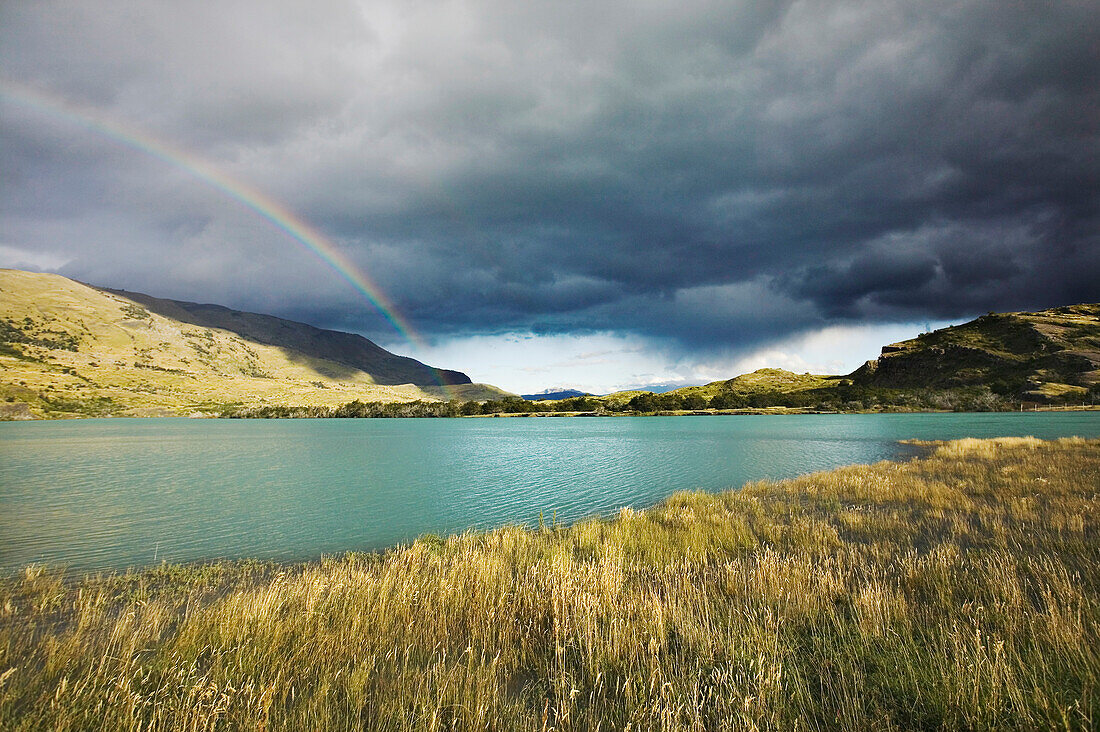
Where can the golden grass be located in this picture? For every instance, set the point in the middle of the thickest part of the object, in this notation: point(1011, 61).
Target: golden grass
point(955, 591)
point(762, 380)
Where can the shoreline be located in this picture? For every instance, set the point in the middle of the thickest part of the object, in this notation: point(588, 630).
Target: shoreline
point(762, 411)
point(924, 448)
point(958, 589)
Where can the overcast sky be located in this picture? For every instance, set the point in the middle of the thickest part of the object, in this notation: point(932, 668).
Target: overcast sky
point(591, 194)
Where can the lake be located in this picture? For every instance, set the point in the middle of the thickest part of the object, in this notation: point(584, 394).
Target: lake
point(107, 494)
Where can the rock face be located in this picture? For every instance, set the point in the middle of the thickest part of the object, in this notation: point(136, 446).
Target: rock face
point(1037, 355)
point(16, 411)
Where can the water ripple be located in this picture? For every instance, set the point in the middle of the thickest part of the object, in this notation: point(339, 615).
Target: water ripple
point(98, 494)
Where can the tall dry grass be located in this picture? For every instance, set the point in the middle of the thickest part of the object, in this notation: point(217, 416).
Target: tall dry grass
point(955, 591)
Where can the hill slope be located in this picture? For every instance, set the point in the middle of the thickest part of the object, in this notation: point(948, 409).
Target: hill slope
point(70, 349)
point(998, 361)
point(1048, 354)
point(348, 349)
point(761, 380)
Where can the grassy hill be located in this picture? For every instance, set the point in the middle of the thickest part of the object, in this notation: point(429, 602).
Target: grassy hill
point(995, 362)
point(68, 349)
point(1041, 356)
point(761, 380)
point(346, 349)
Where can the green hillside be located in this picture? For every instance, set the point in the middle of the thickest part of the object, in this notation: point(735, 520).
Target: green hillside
point(1048, 355)
point(68, 349)
point(347, 349)
point(996, 362)
point(761, 380)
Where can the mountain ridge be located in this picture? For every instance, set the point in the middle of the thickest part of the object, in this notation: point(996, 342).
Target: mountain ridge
point(349, 349)
point(553, 394)
point(71, 349)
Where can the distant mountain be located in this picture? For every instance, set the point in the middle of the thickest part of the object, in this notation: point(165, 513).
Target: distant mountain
point(554, 395)
point(67, 348)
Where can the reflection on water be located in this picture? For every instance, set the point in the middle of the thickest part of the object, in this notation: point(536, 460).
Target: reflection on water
point(96, 494)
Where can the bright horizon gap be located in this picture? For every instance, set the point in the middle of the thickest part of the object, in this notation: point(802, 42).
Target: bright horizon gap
point(601, 363)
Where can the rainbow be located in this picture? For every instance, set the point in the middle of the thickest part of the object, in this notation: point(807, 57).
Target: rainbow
point(259, 202)
point(252, 198)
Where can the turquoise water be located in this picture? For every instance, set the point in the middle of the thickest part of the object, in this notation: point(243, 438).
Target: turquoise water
point(101, 494)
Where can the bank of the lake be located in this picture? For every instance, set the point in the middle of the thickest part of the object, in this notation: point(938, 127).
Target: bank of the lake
point(110, 494)
point(959, 590)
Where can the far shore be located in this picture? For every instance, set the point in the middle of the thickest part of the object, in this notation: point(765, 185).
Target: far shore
point(186, 413)
point(773, 411)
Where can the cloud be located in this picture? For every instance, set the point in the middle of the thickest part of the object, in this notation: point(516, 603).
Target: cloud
point(600, 363)
point(831, 350)
point(15, 258)
point(526, 362)
point(703, 175)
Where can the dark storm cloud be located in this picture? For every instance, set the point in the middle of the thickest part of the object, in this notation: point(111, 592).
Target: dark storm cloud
point(711, 172)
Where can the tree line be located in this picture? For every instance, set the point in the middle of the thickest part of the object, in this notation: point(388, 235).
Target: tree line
point(846, 397)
